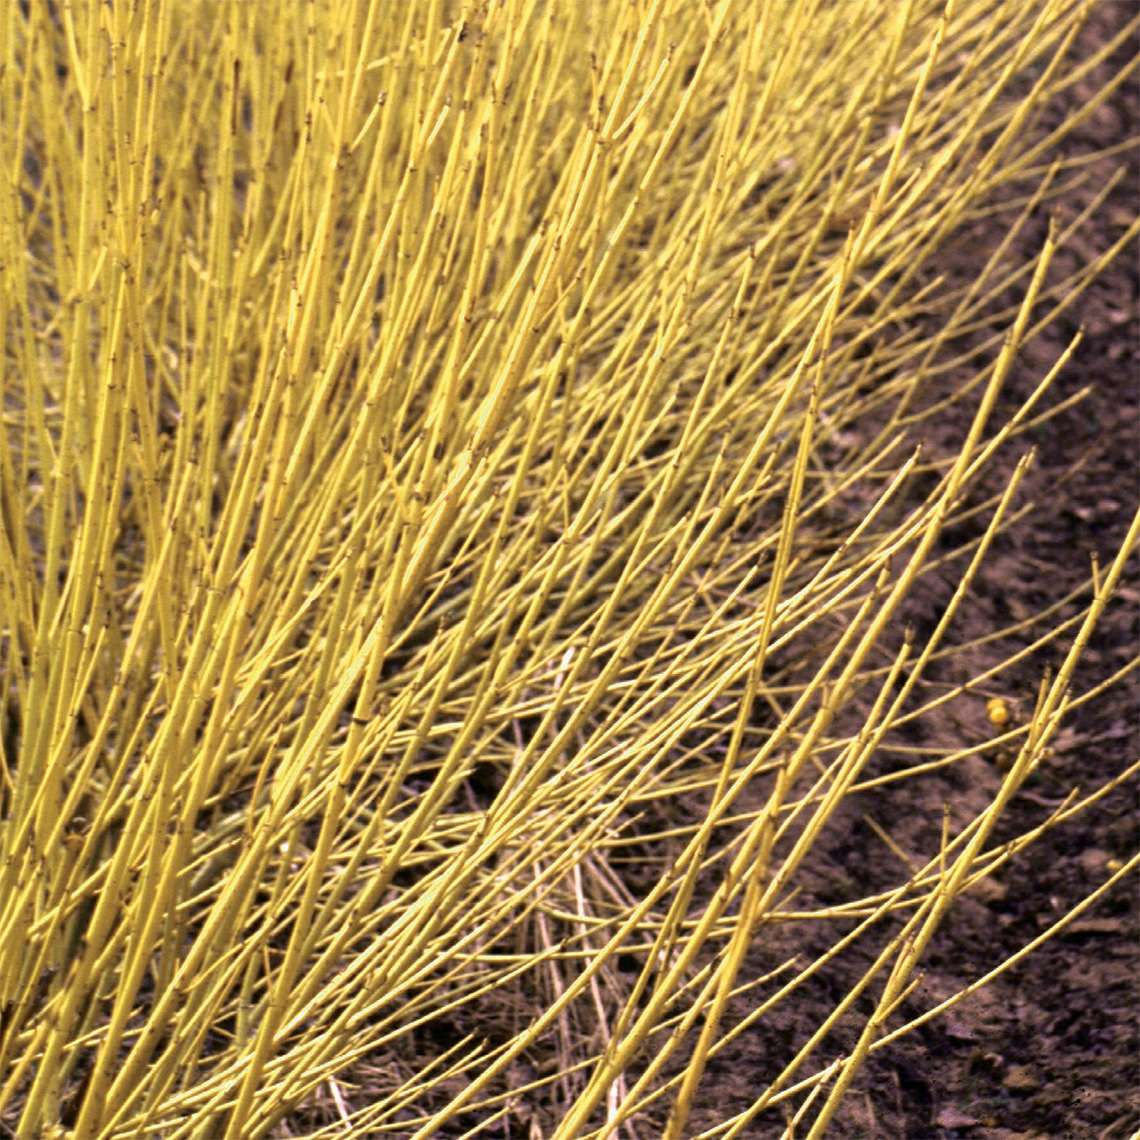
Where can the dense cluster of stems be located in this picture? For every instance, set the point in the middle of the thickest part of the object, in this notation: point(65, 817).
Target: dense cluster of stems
point(461, 476)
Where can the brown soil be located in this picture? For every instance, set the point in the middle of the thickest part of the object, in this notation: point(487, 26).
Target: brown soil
point(1050, 1049)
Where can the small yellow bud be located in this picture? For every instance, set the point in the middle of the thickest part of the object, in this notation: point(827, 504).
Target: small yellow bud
point(998, 711)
